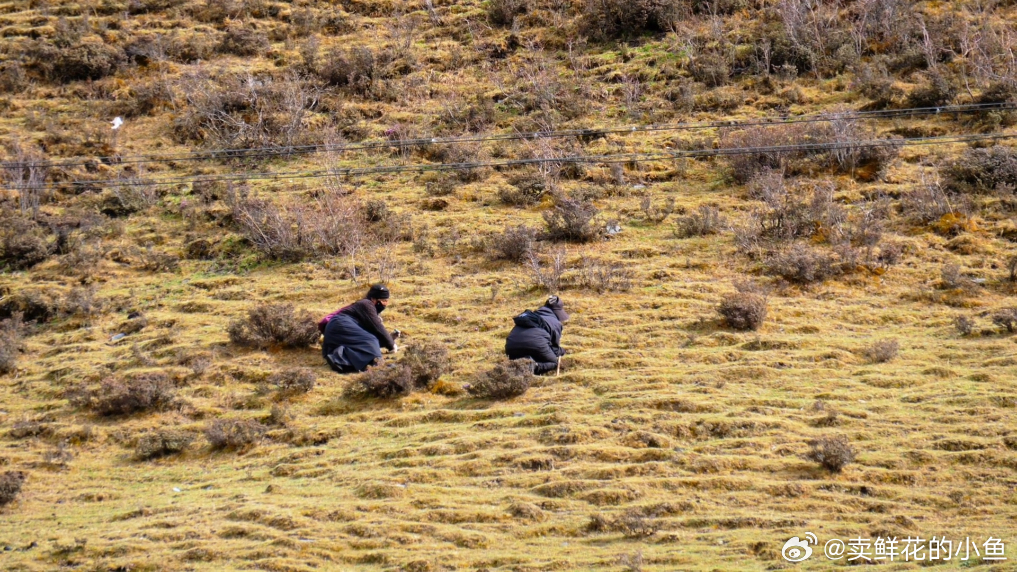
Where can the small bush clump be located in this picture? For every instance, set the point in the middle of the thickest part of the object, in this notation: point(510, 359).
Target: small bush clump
point(508, 379)
point(233, 434)
point(525, 189)
point(833, 453)
point(881, 351)
point(294, 380)
point(126, 396)
point(982, 170)
point(745, 309)
point(427, 362)
point(515, 243)
point(384, 381)
point(801, 264)
point(278, 325)
point(162, 443)
point(90, 59)
point(23, 242)
point(243, 41)
point(572, 220)
point(10, 343)
point(10, 486)
point(705, 222)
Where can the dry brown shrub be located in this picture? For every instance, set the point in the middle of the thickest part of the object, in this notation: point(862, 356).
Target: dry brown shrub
point(832, 453)
point(744, 309)
point(704, 222)
point(10, 343)
point(881, 351)
point(383, 381)
point(427, 361)
point(294, 380)
point(233, 434)
point(241, 40)
point(90, 59)
point(515, 243)
point(10, 486)
point(1006, 318)
point(274, 325)
point(981, 170)
point(802, 264)
point(508, 379)
point(115, 396)
point(23, 242)
point(572, 220)
point(525, 188)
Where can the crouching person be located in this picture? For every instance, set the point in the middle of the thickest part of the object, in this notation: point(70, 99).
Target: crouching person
point(537, 335)
point(355, 334)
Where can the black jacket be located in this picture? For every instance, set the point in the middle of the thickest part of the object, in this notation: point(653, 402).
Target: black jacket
point(536, 335)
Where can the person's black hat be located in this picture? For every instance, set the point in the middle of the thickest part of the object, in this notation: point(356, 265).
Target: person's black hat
point(379, 292)
point(558, 308)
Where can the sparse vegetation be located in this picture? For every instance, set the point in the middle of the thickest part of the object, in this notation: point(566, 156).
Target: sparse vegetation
point(233, 434)
point(10, 486)
point(832, 453)
point(275, 325)
point(508, 379)
point(124, 396)
point(294, 380)
point(10, 343)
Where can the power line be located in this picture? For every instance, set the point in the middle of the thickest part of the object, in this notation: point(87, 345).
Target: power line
point(607, 159)
point(284, 151)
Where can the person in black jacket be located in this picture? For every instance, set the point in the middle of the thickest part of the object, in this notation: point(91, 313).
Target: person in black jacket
point(537, 335)
point(355, 334)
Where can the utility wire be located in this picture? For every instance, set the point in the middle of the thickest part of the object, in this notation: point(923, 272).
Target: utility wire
point(605, 159)
point(284, 151)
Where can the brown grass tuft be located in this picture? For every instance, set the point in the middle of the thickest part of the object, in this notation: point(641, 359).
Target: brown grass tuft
point(833, 453)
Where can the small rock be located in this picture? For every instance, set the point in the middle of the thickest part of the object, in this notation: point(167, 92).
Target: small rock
point(117, 337)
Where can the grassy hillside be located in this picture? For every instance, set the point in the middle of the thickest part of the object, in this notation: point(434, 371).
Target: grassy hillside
point(681, 432)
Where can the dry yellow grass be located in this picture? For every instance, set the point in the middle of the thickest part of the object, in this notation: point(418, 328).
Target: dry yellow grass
point(668, 443)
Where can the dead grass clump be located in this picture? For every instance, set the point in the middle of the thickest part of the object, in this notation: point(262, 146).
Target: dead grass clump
point(241, 40)
point(744, 309)
point(801, 264)
point(23, 242)
point(572, 220)
point(427, 361)
point(10, 343)
point(90, 59)
point(10, 486)
point(833, 453)
point(1006, 318)
point(278, 325)
point(161, 443)
point(982, 170)
point(383, 381)
point(705, 222)
point(515, 243)
point(525, 188)
point(233, 434)
point(508, 379)
point(294, 380)
point(126, 396)
point(881, 351)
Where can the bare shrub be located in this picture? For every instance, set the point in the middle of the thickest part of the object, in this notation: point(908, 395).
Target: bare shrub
point(801, 264)
point(981, 170)
point(572, 220)
point(23, 242)
point(13, 78)
point(508, 379)
point(952, 278)
point(711, 68)
point(90, 59)
point(383, 381)
point(609, 19)
point(427, 361)
point(744, 166)
point(240, 110)
point(515, 243)
point(704, 222)
point(935, 91)
point(241, 40)
point(25, 171)
point(233, 434)
point(278, 325)
point(294, 380)
point(10, 486)
point(881, 351)
point(357, 69)
point(548, 275)
point(526, 188)
point(1011, 268)
point(116, 396)
point(1006, 318)
point(929, 202)
point(162, 443)
point(744, 309)
point(33, 306)
point(10, 343)
point(833, 453)
point(603, 276)
point(503, 12)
